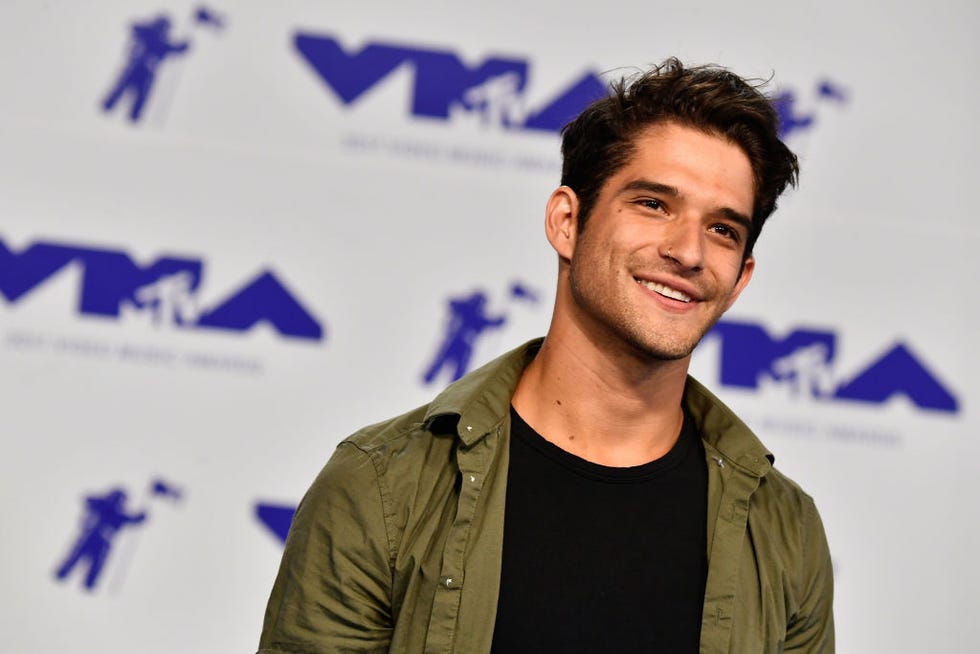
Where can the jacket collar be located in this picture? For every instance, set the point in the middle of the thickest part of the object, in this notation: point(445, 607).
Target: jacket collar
point(481, 400)
point(725, 432)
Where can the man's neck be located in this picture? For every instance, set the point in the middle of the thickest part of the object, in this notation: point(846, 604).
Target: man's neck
point(611, 408)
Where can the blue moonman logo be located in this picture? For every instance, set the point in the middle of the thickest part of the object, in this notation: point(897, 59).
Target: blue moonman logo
point(151, 44)
point(444, 86)
point(103, 518)
point(113, 285)
point(468, 320)
point(802, 361)
point(792, 119)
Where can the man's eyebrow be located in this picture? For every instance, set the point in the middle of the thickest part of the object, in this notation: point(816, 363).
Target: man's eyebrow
point(652, 187)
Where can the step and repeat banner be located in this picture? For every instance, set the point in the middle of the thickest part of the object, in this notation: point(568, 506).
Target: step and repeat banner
point(231, 233)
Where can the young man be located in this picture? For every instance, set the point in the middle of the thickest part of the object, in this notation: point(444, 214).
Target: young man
point(583, 494)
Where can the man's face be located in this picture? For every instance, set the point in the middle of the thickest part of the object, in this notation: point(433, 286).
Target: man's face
point(660, 259)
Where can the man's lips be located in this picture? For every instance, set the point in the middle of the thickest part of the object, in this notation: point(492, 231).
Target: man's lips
point(666, 291)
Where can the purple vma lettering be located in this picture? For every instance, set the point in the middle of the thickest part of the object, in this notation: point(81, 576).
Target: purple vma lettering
point(112, 283)
point(443, 83)
point(803, 362)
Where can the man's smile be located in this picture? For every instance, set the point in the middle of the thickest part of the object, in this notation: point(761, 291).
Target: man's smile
point(664, 290)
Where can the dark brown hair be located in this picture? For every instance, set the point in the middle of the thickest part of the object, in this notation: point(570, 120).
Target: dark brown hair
point(601, 140)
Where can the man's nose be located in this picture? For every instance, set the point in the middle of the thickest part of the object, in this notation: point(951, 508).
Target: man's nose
point(684, 243)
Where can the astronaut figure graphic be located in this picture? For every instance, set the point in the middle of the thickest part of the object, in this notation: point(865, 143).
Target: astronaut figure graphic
point(150, 45)
point(105, 516)
point(467, 320)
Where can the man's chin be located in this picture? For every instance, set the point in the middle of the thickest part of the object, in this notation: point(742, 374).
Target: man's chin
point(663, 352)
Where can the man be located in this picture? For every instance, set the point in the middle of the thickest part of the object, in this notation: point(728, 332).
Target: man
point(583, 494)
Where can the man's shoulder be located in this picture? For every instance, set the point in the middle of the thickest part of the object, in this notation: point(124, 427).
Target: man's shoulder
point(388, 433)
point(480, 400)
point(784, 496)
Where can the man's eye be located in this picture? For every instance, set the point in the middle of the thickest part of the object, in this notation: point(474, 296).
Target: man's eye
point(656, 205)
point(725, 231)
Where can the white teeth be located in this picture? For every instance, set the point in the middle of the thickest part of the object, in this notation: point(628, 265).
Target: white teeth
point(666, 291)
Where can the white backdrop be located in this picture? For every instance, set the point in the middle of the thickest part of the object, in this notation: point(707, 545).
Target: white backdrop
point(370, 215)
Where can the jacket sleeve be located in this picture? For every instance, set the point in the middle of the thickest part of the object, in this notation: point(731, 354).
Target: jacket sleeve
point(811, 628)
point(333, 590)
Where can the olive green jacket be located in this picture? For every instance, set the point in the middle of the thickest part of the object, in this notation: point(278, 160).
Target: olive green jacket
point(396, 546)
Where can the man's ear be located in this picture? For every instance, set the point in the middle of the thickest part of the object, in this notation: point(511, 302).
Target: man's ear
point(561, 221)
point(743, 280)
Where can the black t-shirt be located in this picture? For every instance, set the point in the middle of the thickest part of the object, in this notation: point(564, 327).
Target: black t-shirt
point(602, 559)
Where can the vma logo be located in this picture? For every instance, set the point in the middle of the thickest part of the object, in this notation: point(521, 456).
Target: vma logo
point(803, 359)
point(114, 285)
point(445, 87)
